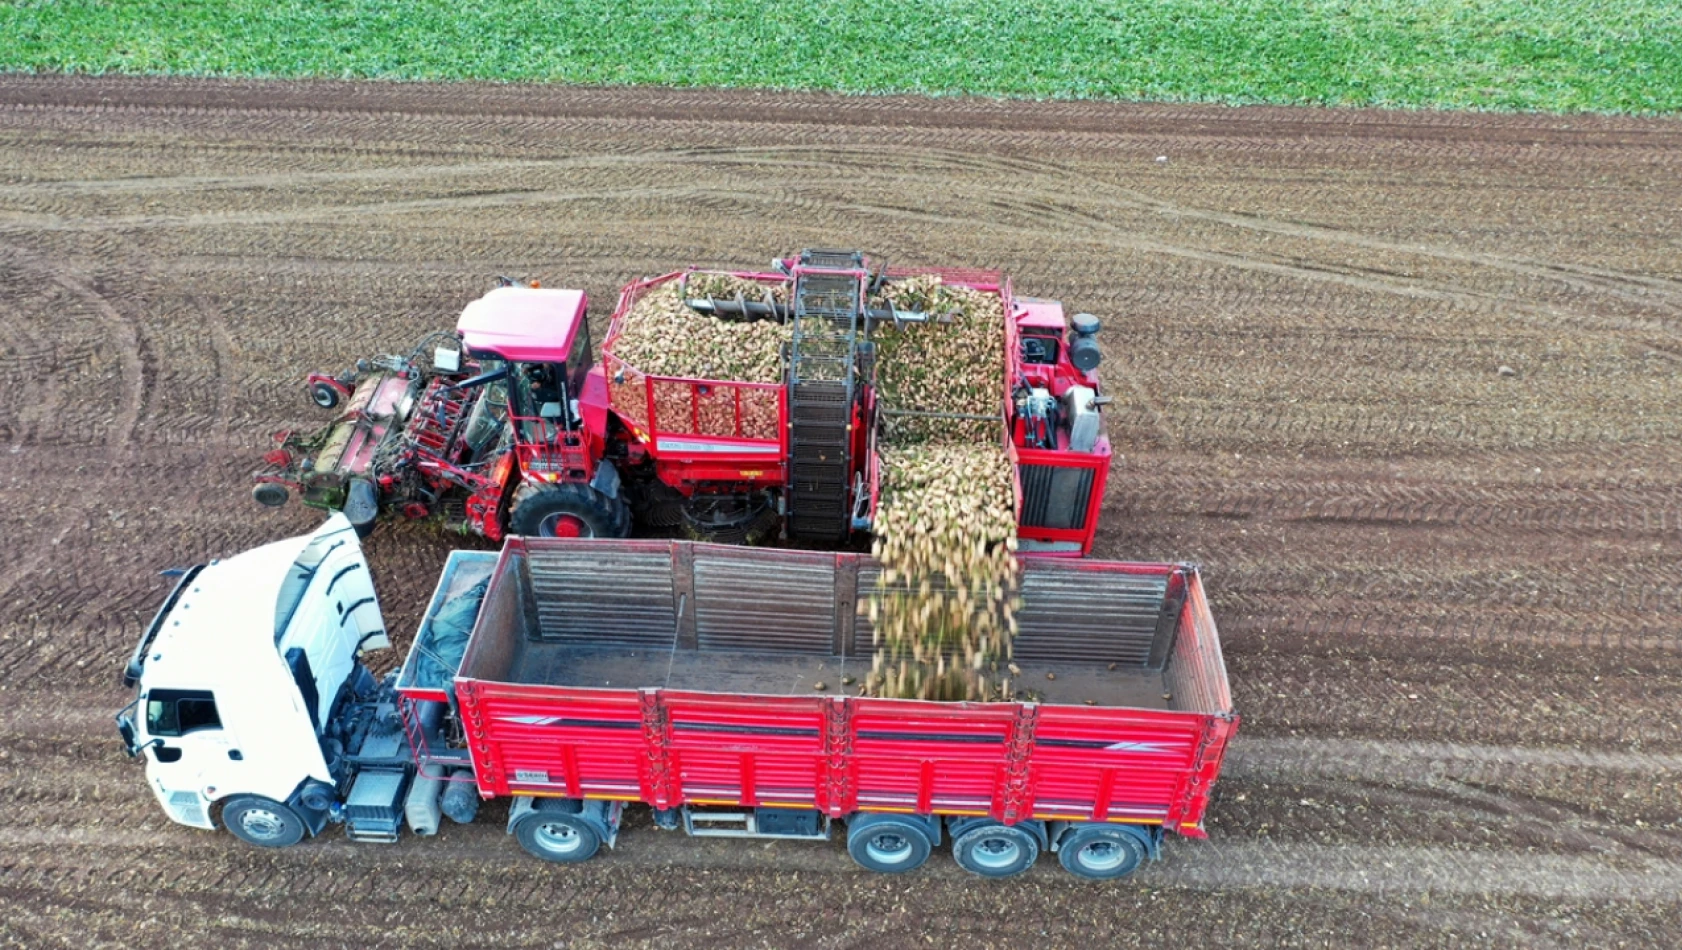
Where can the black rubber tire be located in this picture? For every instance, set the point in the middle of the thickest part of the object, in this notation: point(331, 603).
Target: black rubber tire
point(318, 795)
point(887, 844)
point(622, 519)
point(269, 494)
point(324, 395)
point(1101, 854)
point(557, 837)
point(996, 850)
point(537, 509)
point(263, 822)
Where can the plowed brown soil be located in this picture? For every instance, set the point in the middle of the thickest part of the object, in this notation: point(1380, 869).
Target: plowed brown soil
point(1451, 596)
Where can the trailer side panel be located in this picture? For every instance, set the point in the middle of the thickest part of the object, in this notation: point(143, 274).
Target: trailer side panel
point(565, 713)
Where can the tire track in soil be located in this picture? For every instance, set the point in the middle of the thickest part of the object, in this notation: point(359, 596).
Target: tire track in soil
point(123, 335)
point(1056, 176)
point(1398, 285)
point(1217, 866)
point(133, 388)
point(1047, 205)
point(1377, 758)
point(1048, 201)
point(224, 370)
point(1358, 279)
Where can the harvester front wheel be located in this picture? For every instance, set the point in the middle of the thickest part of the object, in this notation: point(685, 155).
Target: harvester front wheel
point(269, 494)
point(324, 395)
point(568, 511)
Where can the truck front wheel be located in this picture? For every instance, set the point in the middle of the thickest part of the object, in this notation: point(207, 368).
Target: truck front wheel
point(568, 511)
point(566, 839)
point(888, 845)
point(262, 821)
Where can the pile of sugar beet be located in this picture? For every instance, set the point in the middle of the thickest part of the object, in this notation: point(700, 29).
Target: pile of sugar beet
point(945, 525)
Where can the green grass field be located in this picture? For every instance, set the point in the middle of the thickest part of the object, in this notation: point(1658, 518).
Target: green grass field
point(1564, 55)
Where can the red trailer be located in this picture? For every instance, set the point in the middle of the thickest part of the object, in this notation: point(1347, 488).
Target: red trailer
point(713, 683)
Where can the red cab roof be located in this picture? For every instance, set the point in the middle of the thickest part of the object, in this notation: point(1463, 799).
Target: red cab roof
point(1039, 314)
point(523, 324)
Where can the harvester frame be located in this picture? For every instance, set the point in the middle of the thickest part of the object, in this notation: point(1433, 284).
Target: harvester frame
point(583, 444)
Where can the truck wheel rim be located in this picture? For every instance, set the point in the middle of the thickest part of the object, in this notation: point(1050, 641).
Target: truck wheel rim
point(262, 823)
point(888, 848)
point(560, 525)
point(1100, 856)
point(559, 838)
point(996, 853)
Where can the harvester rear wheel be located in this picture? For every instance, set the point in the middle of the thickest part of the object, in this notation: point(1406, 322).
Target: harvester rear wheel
point(568, 511)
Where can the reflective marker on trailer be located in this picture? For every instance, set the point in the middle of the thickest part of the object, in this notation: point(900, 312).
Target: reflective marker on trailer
point(1153, 747)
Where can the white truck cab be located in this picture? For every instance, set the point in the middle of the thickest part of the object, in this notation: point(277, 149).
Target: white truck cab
point(239, 678)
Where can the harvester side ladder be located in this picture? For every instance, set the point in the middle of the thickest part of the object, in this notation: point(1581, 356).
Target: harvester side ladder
point(827, 301)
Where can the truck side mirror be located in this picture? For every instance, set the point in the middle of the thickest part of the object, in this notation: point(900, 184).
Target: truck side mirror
point(125, 729)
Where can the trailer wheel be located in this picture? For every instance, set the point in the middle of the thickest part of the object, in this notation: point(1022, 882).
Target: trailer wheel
point(1100, 853)
point(565, 839)
point(263, 822)
point(887, 845)
point(996, 851)
point(568, 511)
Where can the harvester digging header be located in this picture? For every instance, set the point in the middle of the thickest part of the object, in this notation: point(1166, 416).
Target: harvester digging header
point(739, 405)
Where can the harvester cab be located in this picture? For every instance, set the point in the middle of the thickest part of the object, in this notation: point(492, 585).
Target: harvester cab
point(553, 479)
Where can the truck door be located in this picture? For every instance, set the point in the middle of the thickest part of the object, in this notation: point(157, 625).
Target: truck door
point(189, 751)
